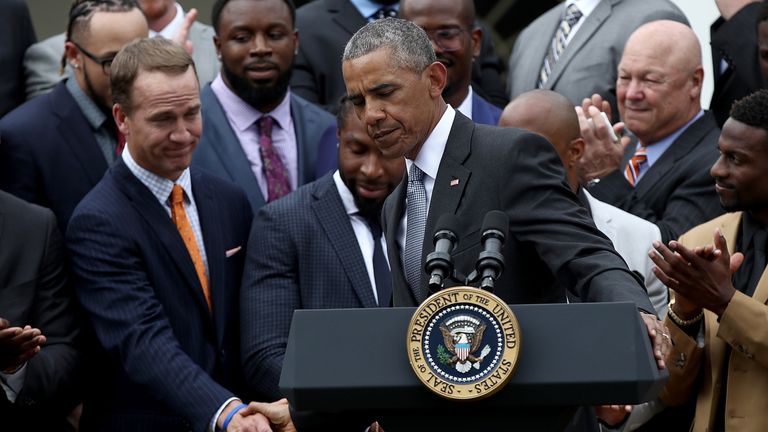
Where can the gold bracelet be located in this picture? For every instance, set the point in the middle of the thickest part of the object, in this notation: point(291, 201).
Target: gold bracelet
point(681, 322)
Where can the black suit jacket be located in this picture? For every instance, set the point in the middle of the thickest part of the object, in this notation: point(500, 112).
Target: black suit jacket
point(735, 41)
point(325, 27)
point(314, 262)
point(35, 291)
point(17, 34)
point(677, 193)
point(552, 244)
point(168, 361)
point(48, 153)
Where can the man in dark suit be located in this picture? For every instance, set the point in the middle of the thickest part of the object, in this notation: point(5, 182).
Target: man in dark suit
point(257, 133)
point(158, 252)
point(327, 25)
point(55, 148)
point(456, 166)
point(39, 359)
point(323, 242)
point(735, 58)
point(456, 39)
point(17, 33)
point(663, 177)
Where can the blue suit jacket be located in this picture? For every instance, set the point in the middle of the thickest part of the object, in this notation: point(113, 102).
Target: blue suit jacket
point(483, 112)
point(168, 362)
point(48, 153)
point(220, 153)
point(313, 262)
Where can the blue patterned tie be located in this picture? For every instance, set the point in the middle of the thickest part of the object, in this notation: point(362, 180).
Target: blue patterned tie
point(559, 41)
point(416, 215)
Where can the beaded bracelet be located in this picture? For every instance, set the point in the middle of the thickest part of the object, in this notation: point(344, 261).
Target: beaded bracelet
point(681, 322)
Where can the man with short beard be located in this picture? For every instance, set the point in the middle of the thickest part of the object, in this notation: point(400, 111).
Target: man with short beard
point(56, 147)
point(325, 251)
point(257, 134)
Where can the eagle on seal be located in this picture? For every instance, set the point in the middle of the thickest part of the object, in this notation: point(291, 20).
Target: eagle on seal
point(462, 344)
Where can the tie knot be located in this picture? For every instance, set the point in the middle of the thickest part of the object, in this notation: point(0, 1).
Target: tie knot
point(265, 123)
point(177, 195)
point(415, 174)
point(384, 12)
point(641, 152)
point(572, 14)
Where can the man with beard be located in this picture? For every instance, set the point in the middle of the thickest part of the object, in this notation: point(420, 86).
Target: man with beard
point(55, 148)
point(257, 134)
point(455, 38)
point(718, 319)
point(325, 251)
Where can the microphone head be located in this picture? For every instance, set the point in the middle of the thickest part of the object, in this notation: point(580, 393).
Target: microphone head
point(447, 225)
point(496, 220)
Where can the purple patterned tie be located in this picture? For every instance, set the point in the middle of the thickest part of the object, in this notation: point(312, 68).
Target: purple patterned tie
point(276, 174)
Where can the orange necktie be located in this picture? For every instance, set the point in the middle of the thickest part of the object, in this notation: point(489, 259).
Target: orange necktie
point(632, 171)
point(180, 219)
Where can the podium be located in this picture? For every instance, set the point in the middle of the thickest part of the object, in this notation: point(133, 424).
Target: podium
point(353, 363)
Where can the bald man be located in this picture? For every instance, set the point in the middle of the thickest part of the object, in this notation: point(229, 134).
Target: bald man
point(551, 115)
point(662, 175)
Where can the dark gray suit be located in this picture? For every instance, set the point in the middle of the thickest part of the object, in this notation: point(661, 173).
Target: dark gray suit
point(552, 244)
point(35, 290)
point(303, 254)
point(588, 64)
point(676, 193)
point(220, 152)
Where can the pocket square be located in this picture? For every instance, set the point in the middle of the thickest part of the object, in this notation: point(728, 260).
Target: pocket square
point(232, 251)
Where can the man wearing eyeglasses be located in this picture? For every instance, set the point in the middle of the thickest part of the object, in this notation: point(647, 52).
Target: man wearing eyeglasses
point(456, 40)
point(55, 148)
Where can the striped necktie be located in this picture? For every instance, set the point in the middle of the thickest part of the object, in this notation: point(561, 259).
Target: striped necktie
point(632, 171)
point(559, 41)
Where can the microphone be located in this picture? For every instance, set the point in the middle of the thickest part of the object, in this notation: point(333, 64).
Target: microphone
point(439, 265)
point(490, 262)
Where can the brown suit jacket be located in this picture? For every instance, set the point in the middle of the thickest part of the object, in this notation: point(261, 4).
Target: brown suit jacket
point(743, 325)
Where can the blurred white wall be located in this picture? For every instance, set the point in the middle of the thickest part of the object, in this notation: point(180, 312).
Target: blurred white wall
point(701, 14)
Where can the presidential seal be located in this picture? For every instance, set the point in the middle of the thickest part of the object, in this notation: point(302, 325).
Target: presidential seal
point(463, 343)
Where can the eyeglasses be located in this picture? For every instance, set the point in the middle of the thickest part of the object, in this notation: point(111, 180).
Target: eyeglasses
point(447, 39)
point(104, 62)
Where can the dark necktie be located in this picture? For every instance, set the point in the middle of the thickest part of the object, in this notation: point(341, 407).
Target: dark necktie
point(381, 273)
point(276, 174)
point(758, 263)
point(416, 215)
point(384, 12)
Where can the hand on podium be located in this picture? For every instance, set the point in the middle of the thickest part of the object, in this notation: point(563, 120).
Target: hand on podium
point(659, 335)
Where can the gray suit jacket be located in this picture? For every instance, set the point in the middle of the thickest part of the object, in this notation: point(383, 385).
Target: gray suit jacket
point(588, 64)
point(552, 244)
point(303, 254)
point(220, 153)
point(42, 61)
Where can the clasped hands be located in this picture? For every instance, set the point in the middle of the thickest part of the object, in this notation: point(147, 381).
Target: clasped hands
point(259, 417)
point(18, 345)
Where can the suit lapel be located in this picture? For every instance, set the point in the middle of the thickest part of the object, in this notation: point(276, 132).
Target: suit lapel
point(393, 213)
point(226, 145)
point(681, 147)
point(582, 36)
point(452, 178)
point(328, 208)
point(345, 15)
point(208, 213)
point(145, 204)
point(76, 133)
point(306, 148)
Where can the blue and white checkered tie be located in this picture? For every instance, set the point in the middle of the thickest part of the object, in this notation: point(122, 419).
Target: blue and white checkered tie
point(416, 214)
point(559, 41)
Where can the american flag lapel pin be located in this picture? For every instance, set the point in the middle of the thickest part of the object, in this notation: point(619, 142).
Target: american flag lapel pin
point(454, 182)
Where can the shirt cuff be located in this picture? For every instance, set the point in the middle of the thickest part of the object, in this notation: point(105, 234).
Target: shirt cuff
point(212, 425)
point(13, 382)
